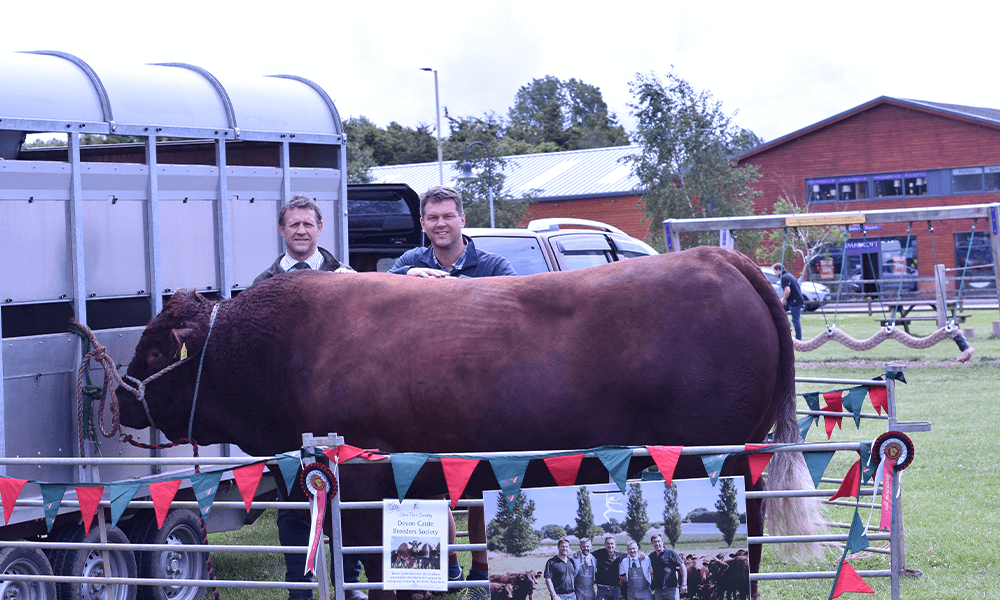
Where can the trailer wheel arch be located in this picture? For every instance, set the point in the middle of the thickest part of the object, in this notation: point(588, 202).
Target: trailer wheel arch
point(26, 561)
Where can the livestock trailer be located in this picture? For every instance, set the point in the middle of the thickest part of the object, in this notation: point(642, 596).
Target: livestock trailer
point(105, 232)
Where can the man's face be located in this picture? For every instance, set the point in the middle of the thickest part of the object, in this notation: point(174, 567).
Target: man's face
point(657, 544)
point(585, 547)
point(563, 549)
point(633, 549)
point(301, 232)
point(609, 545)
point(442, 224)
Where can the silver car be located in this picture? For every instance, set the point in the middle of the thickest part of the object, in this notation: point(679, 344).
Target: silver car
point(814, 293)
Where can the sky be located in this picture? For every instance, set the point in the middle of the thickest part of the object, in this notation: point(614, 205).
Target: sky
point(776, 66)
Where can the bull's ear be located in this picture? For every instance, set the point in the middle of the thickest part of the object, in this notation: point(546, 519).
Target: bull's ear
point(186, 297)
point(186, 342)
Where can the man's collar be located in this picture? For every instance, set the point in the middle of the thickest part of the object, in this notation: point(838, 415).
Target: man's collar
point(315, 261)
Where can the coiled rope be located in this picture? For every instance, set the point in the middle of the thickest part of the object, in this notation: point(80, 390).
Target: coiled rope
point(886, 333)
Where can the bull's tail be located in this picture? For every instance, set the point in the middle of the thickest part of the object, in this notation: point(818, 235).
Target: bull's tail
point(787, 470)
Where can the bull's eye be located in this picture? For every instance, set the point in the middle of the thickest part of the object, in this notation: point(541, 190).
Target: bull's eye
point(153, 356)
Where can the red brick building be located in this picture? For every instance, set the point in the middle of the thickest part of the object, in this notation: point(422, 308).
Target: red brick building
point(892, 153)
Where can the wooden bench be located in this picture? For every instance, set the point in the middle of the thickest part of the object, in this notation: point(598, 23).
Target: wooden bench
point(905, 321)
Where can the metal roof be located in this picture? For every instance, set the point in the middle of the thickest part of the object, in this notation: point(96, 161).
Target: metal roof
point(53, 91)
point(551, 176)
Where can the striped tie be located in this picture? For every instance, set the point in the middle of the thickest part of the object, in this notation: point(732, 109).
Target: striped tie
point(300, 265)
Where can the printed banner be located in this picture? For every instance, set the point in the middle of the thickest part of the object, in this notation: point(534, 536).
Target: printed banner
point(415, 543)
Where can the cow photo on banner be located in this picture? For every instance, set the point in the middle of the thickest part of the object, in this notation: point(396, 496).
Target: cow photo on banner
point(655, 542)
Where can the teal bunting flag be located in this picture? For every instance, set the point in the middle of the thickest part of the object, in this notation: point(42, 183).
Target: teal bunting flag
point(509, 471)
point(812, 400)
point(205, 486)
point(289, 464)
point(853, 400)
point(615, 460)
point(897, 375)
point(52, 495)
point(868, 466)
point(804, 424)
point(121, 494)
point(713, 465)
point(405, 467)
point(817, 462)
point(857, 540)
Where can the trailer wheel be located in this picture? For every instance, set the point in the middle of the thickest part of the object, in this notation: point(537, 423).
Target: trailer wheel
point(181, 526)
point(90, 563)
point(25, 561)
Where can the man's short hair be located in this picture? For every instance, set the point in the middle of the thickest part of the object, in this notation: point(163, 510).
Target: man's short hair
point(632, 543)
point(440, 193)
point(778, 268)
point(585, 539)
point(299, 201)
point(656, 535)
point(611, 536)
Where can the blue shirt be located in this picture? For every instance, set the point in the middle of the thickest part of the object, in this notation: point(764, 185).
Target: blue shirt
point(472, 262)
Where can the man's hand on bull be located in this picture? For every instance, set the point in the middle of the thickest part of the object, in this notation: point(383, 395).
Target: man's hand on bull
point(426, 272)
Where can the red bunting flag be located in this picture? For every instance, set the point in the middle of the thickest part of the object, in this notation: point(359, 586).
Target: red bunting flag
point(564, 468)
point(457, 472)
point(834, 403)
point(247, 478)
point(880, 397)
point(758, 460)
point(665, 458)
point(90, 498)
point(849, 488)
point(10, 489)
point(848, 581)
point(346, 452)
point(163, 493)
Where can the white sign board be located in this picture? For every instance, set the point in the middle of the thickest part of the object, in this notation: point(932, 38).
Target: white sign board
point(415, 542)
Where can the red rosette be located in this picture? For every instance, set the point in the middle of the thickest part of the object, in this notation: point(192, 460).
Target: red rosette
point(318, 476)
point(895, 445)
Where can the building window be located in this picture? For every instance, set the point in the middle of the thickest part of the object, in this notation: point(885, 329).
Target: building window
point(888, 185)
point(915, 184)
point(853, 188)
point(822, 190)
point(967, 180)
point(992, 179)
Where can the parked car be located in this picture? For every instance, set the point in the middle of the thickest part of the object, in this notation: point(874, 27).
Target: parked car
point(383, 222)
point(815, 294)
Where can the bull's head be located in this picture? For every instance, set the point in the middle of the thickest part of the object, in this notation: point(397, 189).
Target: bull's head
point(179, 331)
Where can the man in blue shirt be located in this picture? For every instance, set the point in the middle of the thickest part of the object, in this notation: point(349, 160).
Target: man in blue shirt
point(450, 254)
point(791, 297)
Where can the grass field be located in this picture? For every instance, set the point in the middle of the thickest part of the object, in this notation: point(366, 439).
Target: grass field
point(950, 492)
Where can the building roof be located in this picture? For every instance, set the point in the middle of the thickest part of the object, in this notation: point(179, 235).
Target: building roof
point(551, 176)
point(981, 116)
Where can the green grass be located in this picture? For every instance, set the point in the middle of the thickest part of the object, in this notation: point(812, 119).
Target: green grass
point(950, 492)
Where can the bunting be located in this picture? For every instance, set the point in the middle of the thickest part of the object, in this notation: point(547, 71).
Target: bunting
point(405, 467)
point(848, 581)
point(615, 459)
point(10, 489)
point(713, 465)
point(851, 486)
point(163, 493)
point(833, 404)
point(52, 495)
point(853, 400)
point(247, 479)
point(509, 471)
point(857, 539)
point(817, 462)
point(288, 464)
point(90, 498)
point(804, 424)
point(812, 401)
point(868, 465)
point(457, 472)
point(121, 494)
point(758, 460)
point(205, 486)
point(880, 397)
point(346, 452)
point(564, 468)
point(666, 458)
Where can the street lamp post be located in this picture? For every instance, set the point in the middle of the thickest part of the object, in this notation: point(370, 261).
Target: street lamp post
point(467, 174)
point(437, 107)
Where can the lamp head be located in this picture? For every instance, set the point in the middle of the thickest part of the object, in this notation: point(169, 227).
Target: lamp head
point(466, 174)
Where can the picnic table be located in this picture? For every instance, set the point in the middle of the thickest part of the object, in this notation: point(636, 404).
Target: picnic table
point(903, 308)
point(905, 321)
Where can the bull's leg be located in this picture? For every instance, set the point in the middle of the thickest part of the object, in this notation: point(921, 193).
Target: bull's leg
point(755, 527)
point(477, 535)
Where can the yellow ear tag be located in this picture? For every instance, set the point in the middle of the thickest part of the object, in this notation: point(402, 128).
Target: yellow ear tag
point(184, 352)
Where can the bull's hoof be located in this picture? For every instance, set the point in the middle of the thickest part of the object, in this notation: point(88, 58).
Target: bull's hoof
point(355, 595)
